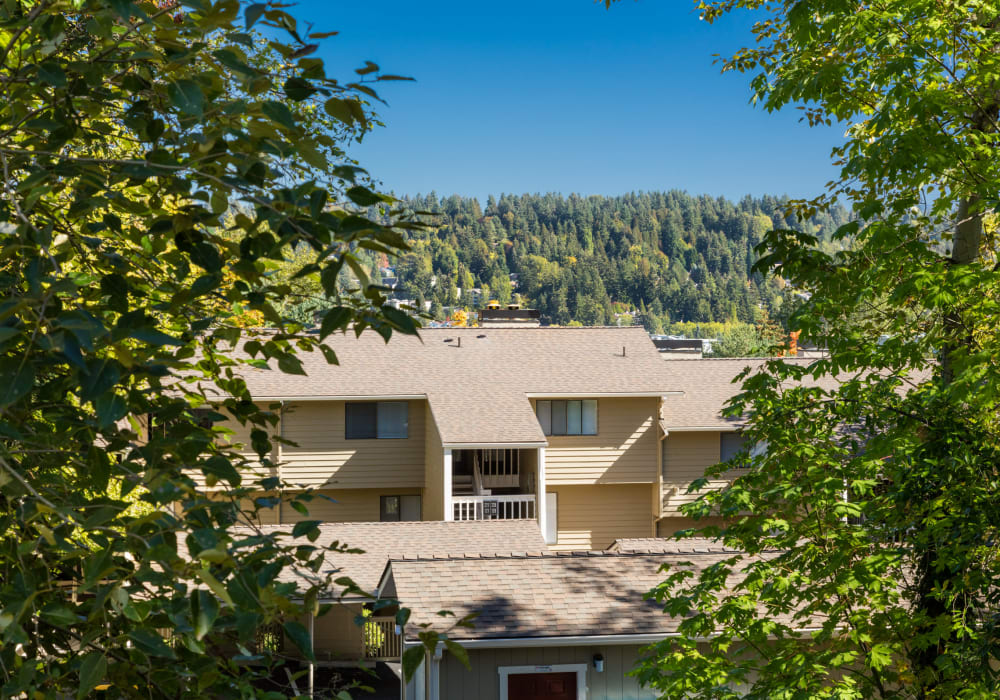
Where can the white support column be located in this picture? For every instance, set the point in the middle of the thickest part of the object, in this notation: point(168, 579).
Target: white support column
point(435, 673)
point(540, 500)
point(416, 689)
point(449, 509)
point(312, 650)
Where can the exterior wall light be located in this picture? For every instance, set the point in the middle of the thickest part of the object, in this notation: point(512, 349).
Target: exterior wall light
point(599, 663)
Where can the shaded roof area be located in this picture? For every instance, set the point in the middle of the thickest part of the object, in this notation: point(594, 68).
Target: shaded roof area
point(476, 379)
point(550, 595)
point(382, 541)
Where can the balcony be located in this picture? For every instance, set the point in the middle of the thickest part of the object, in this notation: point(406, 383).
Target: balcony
point(382, 641)
point(510, 507)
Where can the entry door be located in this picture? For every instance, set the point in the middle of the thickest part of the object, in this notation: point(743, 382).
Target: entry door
point(542, 686)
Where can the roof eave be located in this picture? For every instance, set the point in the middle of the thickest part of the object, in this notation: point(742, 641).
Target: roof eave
point(344, 397)
point(492, 445)
point(601, 394)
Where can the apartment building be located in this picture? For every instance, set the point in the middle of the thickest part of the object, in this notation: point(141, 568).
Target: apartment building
point(558, 425)
point(484, 469)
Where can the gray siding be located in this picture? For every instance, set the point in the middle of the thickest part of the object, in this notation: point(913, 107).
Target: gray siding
point(483, 681)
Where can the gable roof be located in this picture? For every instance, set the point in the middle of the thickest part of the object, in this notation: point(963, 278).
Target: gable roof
point(384, 540)
point(564, 594)
point(477, 381)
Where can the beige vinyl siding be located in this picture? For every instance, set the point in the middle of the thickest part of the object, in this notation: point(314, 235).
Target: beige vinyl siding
point(622, 452)
point(323, 458)
point(433, 502)
point(237, 438)
point(667, 527)
point(483, 681)
point(264, 516)
point(337, 637)
point(592, 517)
point(344, 505)
point(686, 456)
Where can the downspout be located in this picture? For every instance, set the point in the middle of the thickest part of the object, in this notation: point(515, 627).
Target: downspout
point(660, 444)
point(281, 434)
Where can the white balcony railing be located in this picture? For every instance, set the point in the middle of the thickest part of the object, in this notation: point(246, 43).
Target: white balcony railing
point(517, 506)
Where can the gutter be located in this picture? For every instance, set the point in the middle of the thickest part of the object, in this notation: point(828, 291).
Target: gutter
point(602, 395)
point(703, 428)
point(343, 397)
point(581, 640)
point(491, 445)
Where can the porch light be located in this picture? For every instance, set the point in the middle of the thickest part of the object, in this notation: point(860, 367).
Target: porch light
point(599, 663)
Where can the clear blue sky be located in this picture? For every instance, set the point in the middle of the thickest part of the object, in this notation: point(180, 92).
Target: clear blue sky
point(565, 96)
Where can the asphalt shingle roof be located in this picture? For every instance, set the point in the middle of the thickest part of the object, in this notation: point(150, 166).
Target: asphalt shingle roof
point(476, 380)
point(550, 595)
point(384, 540)
point(708, 385)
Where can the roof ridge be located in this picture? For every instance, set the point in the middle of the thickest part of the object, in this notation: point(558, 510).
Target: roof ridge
point(570, 554)
point(528, 328)
point(738, 359)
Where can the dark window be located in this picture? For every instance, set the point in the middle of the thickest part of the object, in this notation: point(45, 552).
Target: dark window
point(567, 417)
point(203, 417)
point(361, 421)
point(730, 446)
point(393, 508)
point(376, 419)
point(388, 508)
point(392, 420)
point(558, 417)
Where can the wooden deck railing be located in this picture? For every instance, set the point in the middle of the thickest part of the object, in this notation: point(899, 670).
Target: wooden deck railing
point(380, 639)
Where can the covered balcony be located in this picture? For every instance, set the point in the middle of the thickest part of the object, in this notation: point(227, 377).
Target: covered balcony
point(494, 484)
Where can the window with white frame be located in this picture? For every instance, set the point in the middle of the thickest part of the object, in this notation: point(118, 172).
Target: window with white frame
point(365, 420)
point(574, 417)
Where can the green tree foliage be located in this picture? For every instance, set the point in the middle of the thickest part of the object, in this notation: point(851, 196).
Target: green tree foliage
point(874, 510)
point(160, 162)
point(679, 257)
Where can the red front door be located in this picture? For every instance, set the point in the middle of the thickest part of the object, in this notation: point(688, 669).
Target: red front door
point(542, 686)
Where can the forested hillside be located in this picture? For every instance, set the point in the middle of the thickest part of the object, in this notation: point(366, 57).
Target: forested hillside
point(669, 256)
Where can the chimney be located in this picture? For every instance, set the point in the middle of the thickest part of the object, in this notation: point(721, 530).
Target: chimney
point(512, 317)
